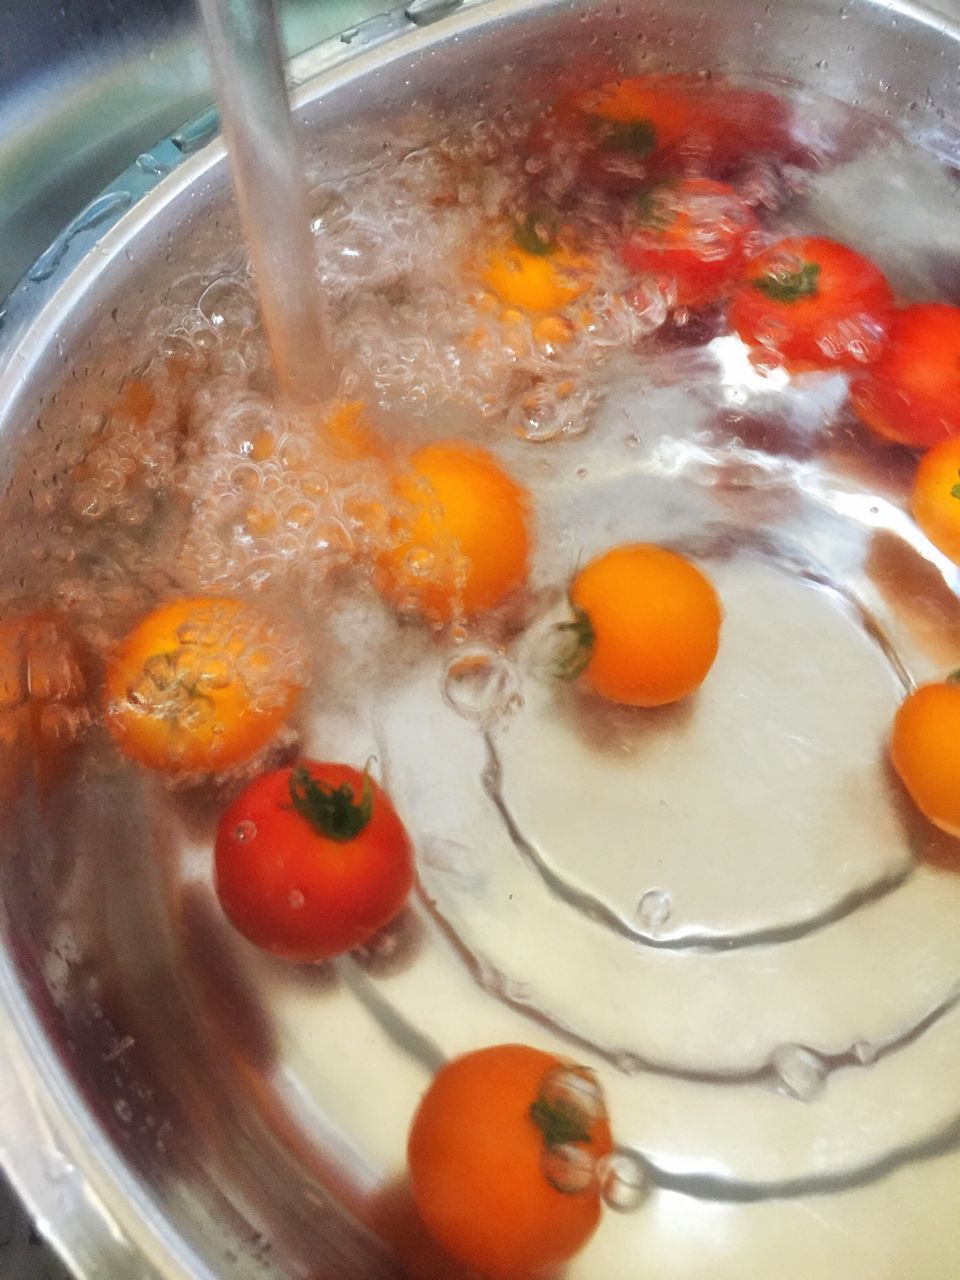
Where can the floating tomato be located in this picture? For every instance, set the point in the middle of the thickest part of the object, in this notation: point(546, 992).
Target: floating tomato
point(813, 303)
point(693, 237)
point(311, 860)
point(912, 393)
point(502, 1157)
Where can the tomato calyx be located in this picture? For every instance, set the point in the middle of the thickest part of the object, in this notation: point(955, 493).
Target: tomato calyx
point(649, 209)
point(955, 491)
point(789, 286)
point(536, 234)
point(637, 136)
point(560, 1122)
point(953, 677)
point(577, 638)
point(333, 812)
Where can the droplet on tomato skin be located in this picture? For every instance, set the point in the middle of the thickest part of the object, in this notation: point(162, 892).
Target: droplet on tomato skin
point(569, 1169)
point(245, 831)
point(296, 899)
point(624, 1181)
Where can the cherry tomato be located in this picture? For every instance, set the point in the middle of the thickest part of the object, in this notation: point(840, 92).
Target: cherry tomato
point(646, 626)
point(925, 754)
point(692, 236)
point(814, 303)
point(200, 684)
point(502, 1153)
point(935, 500)
point(589, 148)
point(535, 272)
point(312, 860)
point(623, 132)
point(460, 541)
point(912, 393)
point(43, 689)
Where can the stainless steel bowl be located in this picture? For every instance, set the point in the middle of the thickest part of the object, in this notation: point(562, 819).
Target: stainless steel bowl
point(146, 1117)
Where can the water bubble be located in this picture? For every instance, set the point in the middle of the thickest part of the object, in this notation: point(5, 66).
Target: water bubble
point(124, 1110)
point(296, 899)
point(654, 909)
point(479, 685)
point(118, 1048)
point(576, 1090)
point(458, 861)
point(245, 831)
point(624, 1181)
point(865, 1052)
point(198, 712)
point(801, 1072)
point(56, 1165)
point(329, 207)
point(568, 1168)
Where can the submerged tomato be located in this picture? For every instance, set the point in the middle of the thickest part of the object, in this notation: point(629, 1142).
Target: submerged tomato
point(693, 236)
point(312, 860)
point(814, 303)
point(924, 751)
point(502, 1154)
point(460, 537)
point(620, 133)
point(935, 500)
point(200, 685)
point(912, 393)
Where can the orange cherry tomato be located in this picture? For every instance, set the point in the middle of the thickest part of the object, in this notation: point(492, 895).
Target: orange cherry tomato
point(814, 303)
point(501, 1156)
point(348, 433)
point(646, 628)
point(623, 132)
point(43, 688)
point(312, 860)
point(693, 236)
point(534, 272)
point(925, 753)
point(935, 500)
point(460, 540)
point(912, 394)
point(200, 684)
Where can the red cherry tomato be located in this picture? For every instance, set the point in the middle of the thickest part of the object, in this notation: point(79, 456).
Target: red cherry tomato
point(312, 860)
point(693, 236)
point(619, 134)
point(814, 303)
point(735, 125)
point(912, 393)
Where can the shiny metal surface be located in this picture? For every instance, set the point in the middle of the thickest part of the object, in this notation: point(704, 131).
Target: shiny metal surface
point(158, 1111)
point(86, 86)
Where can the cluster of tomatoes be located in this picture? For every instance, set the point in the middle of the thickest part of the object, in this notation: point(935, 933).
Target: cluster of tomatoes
point(312, 859)
point(670, 157)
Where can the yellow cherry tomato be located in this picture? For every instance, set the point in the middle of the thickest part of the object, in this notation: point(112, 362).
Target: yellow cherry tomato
point(925, 749)
point(200, 684)
point(538, 282)
point(935, 500)
point(647, 625)
point(460, 542)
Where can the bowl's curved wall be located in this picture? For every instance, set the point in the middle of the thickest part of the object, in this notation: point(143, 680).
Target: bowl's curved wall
point(148, 1144)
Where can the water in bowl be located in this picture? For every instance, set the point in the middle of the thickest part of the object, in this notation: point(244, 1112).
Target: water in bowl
point(724, 907)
